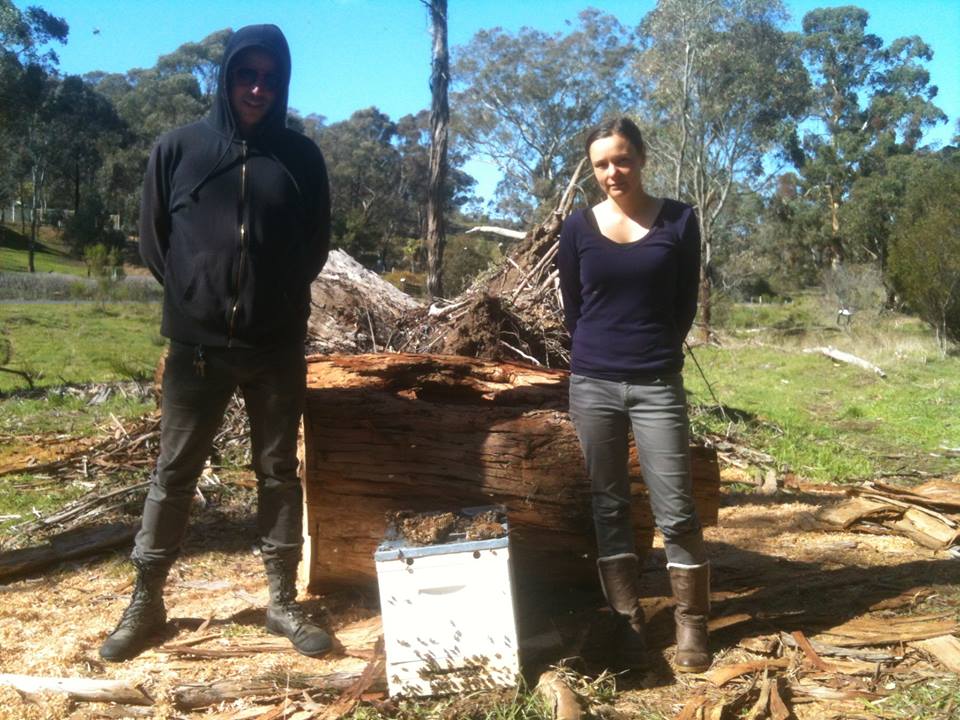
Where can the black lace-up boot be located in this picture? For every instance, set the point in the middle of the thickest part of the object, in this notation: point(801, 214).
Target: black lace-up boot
point(144, 618)
point(285, 617)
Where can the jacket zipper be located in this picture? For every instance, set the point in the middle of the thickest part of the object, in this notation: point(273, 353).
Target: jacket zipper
point(243, 241)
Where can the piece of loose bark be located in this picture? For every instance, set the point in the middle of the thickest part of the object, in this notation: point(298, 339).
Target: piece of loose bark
point(690, 708)
point(778, 708)
point(870, 631)
point(70, 545)
point(374, 671)
point(945, 648)
point(563, 701)
point(808, 650)
point(722, 675)
point(759, 709)
point(85, 689)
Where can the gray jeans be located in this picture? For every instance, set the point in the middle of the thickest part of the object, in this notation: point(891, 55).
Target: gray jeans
point(603, 413)
point(197, 385)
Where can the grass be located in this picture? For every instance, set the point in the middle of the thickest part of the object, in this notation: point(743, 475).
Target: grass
point(935, 698)
point(824, 420)
point(78, 343)
point(22, 496)
point(63, 346)
point(49, 255)
point(57, 411)
point(509, 705)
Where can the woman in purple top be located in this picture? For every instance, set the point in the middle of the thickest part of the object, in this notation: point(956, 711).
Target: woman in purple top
point(629, 269)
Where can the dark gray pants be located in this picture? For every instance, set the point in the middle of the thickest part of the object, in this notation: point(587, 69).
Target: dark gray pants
point(603, 413)
point(273, 383)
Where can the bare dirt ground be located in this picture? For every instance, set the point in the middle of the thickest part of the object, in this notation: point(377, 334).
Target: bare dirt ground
point(775, 570)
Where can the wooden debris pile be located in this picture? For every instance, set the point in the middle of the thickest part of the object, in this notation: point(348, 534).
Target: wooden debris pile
point(858, 662)
point(354, 310)
point(928, 514)
point(325, 696)
point(115, 468)
point(512, 313)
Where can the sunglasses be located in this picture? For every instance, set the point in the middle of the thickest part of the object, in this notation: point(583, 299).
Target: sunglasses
point(248, 77)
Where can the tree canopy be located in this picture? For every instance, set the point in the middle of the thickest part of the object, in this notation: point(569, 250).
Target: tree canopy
point(801, 151)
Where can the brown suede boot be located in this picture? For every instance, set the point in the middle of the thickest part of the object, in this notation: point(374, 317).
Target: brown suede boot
point(691, 589)
point(620, 580)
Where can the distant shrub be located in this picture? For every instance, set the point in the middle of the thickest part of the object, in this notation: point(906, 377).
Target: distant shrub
point(104, 262)
point(925, 254)
point(90, 226)
point(463, 259)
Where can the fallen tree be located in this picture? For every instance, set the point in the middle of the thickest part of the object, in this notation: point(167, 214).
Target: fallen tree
point(422, 432)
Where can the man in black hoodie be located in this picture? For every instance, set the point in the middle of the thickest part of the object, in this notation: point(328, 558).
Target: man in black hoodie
point(235, 224)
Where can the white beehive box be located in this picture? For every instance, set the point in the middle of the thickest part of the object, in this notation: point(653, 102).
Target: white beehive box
point(448, 616)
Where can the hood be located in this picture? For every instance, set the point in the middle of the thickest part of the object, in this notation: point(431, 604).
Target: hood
point(270, 39)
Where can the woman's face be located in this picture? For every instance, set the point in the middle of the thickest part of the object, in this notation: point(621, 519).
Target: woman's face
point(617, 166)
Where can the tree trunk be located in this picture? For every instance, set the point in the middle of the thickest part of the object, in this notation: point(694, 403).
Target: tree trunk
point(439, 119)
point(76, 186)
point(704, 292)
point(23, 206)
point(391, 432)
point(38, 175)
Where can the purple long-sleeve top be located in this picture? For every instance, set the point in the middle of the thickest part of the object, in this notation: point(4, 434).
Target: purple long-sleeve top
point(629, 306)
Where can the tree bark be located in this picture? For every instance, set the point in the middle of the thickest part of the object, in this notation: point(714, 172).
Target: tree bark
point(83, 689)
point(425, 433)
point(439, 119)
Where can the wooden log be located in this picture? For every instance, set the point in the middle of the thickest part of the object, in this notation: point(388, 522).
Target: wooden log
point(193, 696)
point(845, 357)
point(85, 689)
point(386, 432)
point(70, 545)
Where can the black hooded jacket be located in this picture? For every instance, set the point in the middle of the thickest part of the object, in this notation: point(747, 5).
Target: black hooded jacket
point(236, 229)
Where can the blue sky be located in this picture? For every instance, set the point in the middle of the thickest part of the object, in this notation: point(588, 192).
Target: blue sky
point(351, 54)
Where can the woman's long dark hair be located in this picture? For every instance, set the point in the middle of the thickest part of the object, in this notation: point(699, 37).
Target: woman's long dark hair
point(623, 126)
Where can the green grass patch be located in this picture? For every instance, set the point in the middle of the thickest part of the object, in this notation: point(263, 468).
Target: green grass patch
point(829, 421)
point(61, 412)
point(936, 698)
point(507, 705)
point(79, 342)
point(23, 495)
point(49, 254)
point(12, 260)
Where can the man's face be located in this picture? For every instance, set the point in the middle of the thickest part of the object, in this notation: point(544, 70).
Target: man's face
point(254, 83)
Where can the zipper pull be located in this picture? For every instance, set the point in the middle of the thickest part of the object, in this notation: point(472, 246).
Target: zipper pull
point(199, 363)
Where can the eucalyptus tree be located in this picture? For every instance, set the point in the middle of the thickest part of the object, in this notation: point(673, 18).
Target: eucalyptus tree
point(436, 235)
point(869, 102)
point(379, 178)
point(525, 99)
point(200, 59)
point(88, 128)
point(723, 89)
point(365, 174)
point(27, 60)
point(150, 101)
